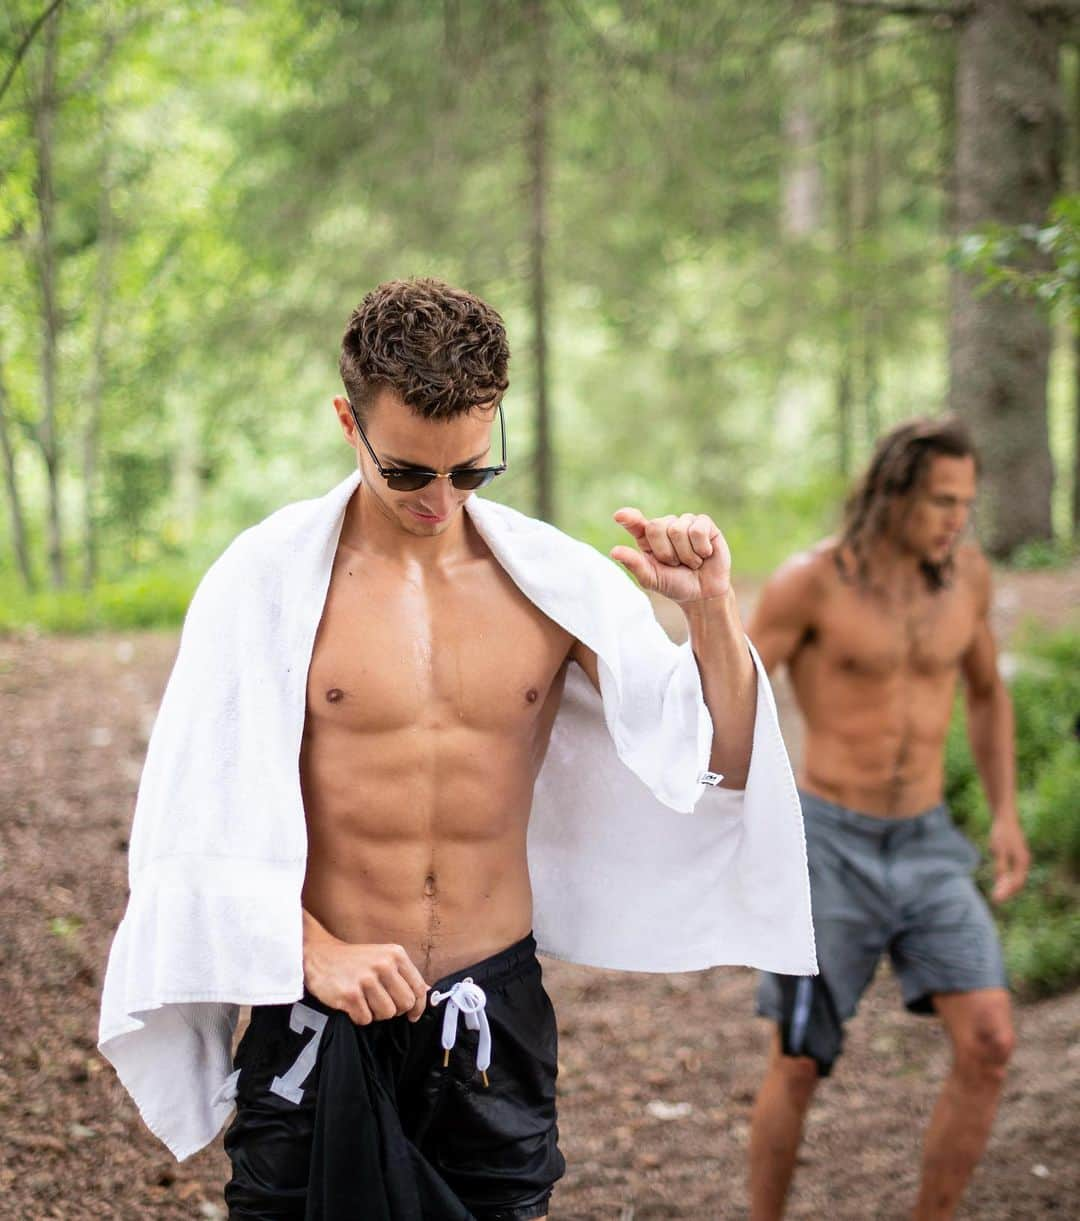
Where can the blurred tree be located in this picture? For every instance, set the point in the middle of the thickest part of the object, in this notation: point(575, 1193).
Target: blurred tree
point(716, 238)
point(1008, 170)
point(42, 104)
point(11, 485)
point(539, 188)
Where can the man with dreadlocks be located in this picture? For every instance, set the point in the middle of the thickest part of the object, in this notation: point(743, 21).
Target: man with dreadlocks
point(874, 627)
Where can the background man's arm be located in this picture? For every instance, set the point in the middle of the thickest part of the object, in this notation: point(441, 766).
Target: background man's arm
point(990, 731)
point(785, 611)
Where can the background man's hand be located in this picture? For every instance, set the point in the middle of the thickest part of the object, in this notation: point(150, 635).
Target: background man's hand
point(684, 558)
point(1011, 857)
point(369, 982)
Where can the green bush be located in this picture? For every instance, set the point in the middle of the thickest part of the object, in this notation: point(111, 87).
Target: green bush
point(1040, 933)
point(156, 598)
point(1043, 554)
point(1040, 929)
point(1052, 810)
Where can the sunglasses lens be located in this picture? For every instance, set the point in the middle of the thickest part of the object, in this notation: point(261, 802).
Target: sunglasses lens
point(408, 481)
point(469, 481)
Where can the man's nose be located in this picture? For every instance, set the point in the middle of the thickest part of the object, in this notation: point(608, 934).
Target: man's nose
point(441, 496)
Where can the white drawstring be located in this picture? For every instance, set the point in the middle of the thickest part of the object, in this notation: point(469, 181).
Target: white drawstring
point(467, 998)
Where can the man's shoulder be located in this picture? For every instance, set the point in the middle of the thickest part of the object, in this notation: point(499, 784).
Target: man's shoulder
point(516, 529)
point(973, 574)
point(288, 526)
point(810, 573)
point(271, 547)
point(971, 563)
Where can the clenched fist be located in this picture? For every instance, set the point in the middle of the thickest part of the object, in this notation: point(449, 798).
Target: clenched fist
point(684, 558)
point(369, 982)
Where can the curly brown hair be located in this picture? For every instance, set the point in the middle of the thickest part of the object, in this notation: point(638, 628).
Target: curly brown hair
point(899, 465)
point(441, 350)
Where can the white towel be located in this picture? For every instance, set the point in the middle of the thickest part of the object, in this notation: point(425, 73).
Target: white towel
point(628, 869)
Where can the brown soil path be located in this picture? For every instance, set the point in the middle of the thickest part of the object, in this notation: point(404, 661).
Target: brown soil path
point(74, 718)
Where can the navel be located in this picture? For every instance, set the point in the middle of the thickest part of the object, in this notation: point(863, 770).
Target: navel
point(334, 694)
point(429, 886)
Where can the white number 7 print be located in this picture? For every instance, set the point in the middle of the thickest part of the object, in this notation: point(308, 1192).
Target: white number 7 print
point(291, 1086)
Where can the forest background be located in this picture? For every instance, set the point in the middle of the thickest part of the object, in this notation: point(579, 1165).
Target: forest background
point(725, 239)
point(733, 243)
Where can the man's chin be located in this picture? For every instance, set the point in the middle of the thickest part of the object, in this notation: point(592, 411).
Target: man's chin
point(425, 528)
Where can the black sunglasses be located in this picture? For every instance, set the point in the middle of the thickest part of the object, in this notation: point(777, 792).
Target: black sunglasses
point(413, 478)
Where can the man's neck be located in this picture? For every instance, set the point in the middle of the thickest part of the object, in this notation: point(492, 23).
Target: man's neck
point(370, 528)
point(893, 569)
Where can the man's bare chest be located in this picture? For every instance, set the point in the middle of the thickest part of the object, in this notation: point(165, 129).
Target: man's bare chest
point(463, 651)
point(873, 636)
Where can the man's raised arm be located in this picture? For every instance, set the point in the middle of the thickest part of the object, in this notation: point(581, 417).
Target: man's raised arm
point(687, 559)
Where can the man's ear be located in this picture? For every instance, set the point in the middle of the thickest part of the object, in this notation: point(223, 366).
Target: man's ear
point(345, 419)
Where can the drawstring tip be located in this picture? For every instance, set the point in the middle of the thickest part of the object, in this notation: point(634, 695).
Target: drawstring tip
point(446, 1058)
point(483, 1077)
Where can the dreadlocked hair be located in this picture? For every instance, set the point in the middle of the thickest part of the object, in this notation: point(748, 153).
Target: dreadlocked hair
point(897, 469)
point(441, 350)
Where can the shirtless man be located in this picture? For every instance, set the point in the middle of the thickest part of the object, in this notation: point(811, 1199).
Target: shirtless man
point(875, 627)
point(432, 690)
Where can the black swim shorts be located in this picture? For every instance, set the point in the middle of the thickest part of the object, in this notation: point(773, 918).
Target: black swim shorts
point(339, 1121)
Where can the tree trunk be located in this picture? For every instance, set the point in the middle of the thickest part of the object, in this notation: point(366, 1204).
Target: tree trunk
point(106, 243)
point(803, 213)
point(1075, 520)
point(537, 17)
point(869, 225)
point(44, 113)
point(843, 122)
point(1074, 185)
point(1007, 171)
point(11, 484)
point(802, 186)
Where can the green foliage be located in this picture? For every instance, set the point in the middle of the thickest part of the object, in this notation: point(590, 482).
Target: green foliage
point(65, 927)
point(1053, 808)
point(1046, 697)
point(1040, 935)
point(261, 166)
point(1038, 261)
point(1041, 927)
point(155, 598)
point(1043, 554)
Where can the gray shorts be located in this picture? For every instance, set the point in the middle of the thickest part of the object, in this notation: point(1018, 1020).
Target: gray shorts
point(883, 884)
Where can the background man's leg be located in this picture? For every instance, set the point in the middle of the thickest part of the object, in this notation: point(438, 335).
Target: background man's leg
point(979, 1026)
point(776, 1129)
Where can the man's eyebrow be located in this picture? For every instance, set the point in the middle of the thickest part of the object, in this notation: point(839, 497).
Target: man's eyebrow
point(420, 466)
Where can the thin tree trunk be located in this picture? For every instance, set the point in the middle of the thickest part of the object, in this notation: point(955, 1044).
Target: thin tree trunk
point(870, 230)
point(537, 17)
point(44, 114)
point(92, 428)
point(1009, 125)
point(11, 484)
point(1074, 165)
point(803, 217)
point(1075, 515)
point(24, 46)
point(843, 119)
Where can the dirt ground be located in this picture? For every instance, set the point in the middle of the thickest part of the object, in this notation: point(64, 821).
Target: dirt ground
point(74, 719)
